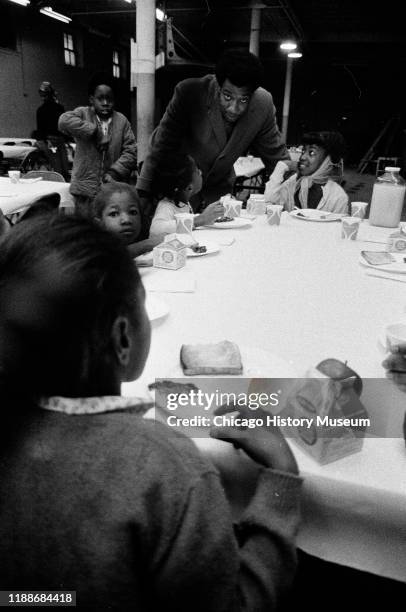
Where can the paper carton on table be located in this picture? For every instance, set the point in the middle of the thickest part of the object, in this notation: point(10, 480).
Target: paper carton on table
point(170, 255)
point(331, 419)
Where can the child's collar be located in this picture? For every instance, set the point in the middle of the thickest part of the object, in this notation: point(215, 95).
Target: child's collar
point(94, 405)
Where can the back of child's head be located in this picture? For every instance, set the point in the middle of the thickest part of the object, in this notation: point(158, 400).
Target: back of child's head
point(100, 78)
point(173, 174)
point(107, 190)
point(63, 282)
point(332, 142)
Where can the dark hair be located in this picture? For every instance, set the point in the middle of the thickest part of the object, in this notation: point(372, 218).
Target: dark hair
point(173, 174)
point(332, 142)
point(63, 282)
point(241, 68)
point(103, 197)
point(100, 78)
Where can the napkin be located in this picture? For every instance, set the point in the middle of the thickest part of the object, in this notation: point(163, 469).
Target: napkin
point(168, 281)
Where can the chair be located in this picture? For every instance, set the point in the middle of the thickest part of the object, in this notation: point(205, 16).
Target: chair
point(34, 160)
point(47, 175)
point(44, 204)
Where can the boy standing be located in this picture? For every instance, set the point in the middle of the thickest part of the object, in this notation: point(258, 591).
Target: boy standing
point(105, 144)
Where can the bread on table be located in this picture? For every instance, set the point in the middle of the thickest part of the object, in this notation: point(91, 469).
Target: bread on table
point(221, 358)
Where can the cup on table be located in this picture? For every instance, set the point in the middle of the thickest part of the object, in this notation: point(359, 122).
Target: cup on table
point(273, 213)
point(232, 207)
point(184, 223)
point(256, 204)
point(358, 209)
point(350, 227)
point(14, 175)
point(395, 335)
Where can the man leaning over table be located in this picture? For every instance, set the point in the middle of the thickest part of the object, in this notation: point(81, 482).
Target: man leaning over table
point(216, 119)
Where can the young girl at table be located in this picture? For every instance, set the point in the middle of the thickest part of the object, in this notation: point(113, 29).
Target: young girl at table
point(95, 498)
point(316, 178)
point(178, 179)
point(105, 144)
point(117, 209)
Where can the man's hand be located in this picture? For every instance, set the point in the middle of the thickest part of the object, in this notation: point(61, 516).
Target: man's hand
point(107, 178)
point(212, 212)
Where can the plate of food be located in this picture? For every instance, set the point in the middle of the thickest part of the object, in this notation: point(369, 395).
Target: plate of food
point(384, 261)
point(313, 214)
point(227, 359)
point(229, 223)
point(202, 248)
point(156, 309)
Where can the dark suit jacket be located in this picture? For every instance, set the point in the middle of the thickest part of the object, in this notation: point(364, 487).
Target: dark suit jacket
point(193, 123)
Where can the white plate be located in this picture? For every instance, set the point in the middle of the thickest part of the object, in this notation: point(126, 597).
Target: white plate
point(312, 214)
point(234, 224)
point(8, 195)
point(156, 309)
point(398, 267)
point(210, 246)
point(256, 363)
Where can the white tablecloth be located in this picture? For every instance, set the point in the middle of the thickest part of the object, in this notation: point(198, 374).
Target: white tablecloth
point(16, 151)
point(15, 197)
point(299, 292)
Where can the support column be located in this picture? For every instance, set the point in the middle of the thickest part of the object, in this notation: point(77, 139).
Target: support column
point(255, 31)
point(286, 99)
point(145, 73)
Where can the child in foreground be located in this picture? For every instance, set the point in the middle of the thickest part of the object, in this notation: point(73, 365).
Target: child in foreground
point(178, 179)
point(318, 172)
point(117, 209)
point(105, 144)
point(94, 497)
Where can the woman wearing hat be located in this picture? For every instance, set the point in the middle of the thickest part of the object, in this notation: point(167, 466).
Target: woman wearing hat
point(317, 176)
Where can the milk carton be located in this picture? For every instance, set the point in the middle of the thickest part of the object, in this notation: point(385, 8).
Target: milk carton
point(329, 418)
point(396, 242)
point(170, 255)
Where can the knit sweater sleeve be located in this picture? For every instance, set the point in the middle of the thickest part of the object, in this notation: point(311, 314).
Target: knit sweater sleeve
point(209, 567)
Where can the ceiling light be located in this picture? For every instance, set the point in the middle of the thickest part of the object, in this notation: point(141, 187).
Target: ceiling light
point(295, 55)
point(47, 10)
point(22, 2)
point(288, 45)
point(160, 15)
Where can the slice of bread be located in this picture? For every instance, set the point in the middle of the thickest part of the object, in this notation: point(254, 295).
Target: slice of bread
point(218, 359)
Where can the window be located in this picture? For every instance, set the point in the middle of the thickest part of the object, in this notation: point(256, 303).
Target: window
point(69, 50)
point(116, 65)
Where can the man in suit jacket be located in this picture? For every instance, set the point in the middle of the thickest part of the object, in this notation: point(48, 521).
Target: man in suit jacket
point(217, 119)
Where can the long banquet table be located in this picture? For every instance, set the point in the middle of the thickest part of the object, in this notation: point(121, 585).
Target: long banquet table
point(299, 292)
point(16, 197)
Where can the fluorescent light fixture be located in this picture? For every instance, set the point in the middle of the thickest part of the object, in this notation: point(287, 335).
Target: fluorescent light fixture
point(47, 10)
point(288, 46)
point(22, 2)
point(160, 15)
point(295, 55)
